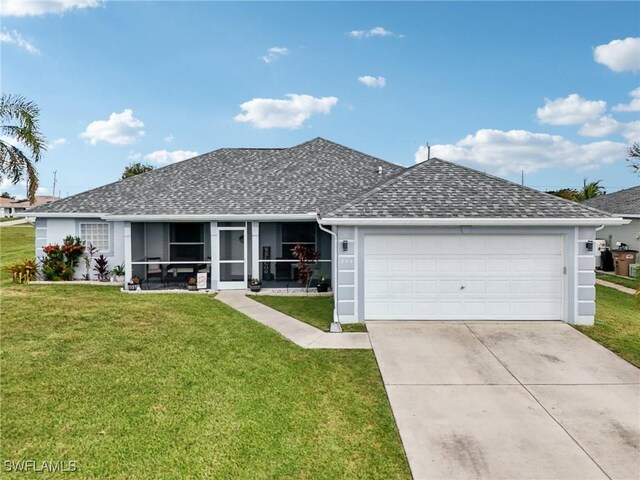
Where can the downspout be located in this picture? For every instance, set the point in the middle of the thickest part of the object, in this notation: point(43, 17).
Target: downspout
point(335, 325)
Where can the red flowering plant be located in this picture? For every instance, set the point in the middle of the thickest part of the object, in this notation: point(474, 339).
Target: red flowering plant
point(60, 261)
point(307, 258)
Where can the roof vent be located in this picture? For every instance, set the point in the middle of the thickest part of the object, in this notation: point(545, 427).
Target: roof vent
point(380, 170)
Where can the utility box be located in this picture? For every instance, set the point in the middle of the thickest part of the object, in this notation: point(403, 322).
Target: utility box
point(622, 259)
point(634, 270)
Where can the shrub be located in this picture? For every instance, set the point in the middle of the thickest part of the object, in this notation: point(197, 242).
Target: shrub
point(60, 261)
point(73, 249)
point(23, 271)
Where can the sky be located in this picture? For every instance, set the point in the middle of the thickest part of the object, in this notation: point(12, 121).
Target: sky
point(548, 89)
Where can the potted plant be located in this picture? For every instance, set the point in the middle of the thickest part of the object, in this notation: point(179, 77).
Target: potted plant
point(134, 283)
point(323, 286)
point(118, 273)
point(192, 283)
point(255, 284)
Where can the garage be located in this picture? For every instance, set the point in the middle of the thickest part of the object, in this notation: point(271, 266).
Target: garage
point(463, 277)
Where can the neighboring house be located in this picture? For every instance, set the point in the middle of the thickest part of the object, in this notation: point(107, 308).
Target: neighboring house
point(436, 241)
point(10, 207)
point(625, 204)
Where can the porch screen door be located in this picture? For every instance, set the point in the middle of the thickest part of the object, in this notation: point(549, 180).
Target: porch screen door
point(233, 258)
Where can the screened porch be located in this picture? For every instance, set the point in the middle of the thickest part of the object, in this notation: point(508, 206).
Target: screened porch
point(224, 255)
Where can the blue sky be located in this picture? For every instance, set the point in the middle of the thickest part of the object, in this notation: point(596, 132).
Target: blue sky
point(501, 87)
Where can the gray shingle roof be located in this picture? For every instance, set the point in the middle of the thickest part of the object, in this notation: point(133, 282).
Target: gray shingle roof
point(622, 202)
point(439, 189)
point(297, 180)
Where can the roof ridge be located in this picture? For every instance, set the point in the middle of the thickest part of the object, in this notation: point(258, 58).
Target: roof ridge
point(346, 148)
point(377, 188)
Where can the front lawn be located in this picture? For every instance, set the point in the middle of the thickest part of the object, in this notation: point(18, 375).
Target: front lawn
point(316, 311)
point(617, 324)
point(179, 386)
point(624, 281)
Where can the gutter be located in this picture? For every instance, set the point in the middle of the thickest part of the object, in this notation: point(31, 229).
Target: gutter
point(335, 325)
point(573, 222)
point(177, 218)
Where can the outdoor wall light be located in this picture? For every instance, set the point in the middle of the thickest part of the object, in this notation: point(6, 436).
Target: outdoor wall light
point(345, 245)
point(590, 245)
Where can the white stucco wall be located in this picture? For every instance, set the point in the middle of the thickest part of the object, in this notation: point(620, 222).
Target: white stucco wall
point(579, 263)
point(54, 230)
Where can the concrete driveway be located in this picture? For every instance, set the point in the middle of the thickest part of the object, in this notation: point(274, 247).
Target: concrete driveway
point(509, 401)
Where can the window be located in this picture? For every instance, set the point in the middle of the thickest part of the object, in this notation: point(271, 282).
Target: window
point(96, 234)
point(186, 242)
point(294, 233)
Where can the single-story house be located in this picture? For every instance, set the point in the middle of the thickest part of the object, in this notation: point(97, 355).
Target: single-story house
point(436, 241)
point(10, 207)
point(625, 204)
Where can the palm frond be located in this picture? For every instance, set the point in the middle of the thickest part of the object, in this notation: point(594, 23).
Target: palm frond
point(20, 121)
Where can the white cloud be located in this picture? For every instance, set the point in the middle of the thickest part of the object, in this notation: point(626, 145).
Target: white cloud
point(509, 152)
point(23, 8)
point(289, 113)
point(619, 55)
point(607, 125)
point(373, 82)
point(274, 53)
point(164, 157)
point(373, 32)
point(120, 129)
point(571, 110)
point(13, 37)
point(631, 131)
point(632, 106)
point(58, 142)
point(601, 127)
point(133, 155)
point(168, 138)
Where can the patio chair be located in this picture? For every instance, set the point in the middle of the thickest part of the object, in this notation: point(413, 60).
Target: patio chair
point(154, 270)
point(283, 270)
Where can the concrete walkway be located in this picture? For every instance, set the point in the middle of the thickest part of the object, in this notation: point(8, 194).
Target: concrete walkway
point(620, 288)
point(11, 223)
point(298, 332)
point(519, 400)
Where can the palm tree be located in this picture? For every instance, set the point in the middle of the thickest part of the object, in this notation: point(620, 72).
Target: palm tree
point(20, 122)
point(590, 190)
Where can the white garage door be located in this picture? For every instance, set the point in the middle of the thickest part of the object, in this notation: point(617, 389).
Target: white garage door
point(463, 277)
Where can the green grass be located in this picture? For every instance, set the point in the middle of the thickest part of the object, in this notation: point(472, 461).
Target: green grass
point(624, 281)
point(9, 219)
point(179, 386)
point(316, 311)
point(617, 324)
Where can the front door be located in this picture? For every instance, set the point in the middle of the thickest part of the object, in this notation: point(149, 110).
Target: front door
point(232, 265)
